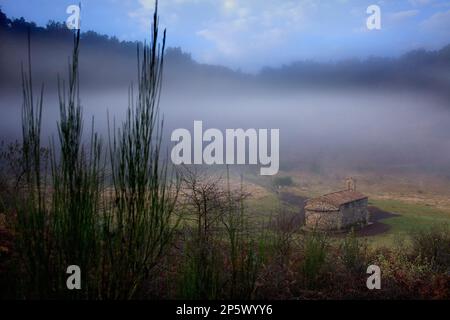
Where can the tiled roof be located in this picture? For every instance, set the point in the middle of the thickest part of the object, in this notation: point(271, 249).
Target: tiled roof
point(333, 201)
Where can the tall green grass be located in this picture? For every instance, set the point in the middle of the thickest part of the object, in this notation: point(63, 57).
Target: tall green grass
point(141, 220)
point(32, 228)
point(353, 253)
point(77, 185)
point(315, 247)
point(115, 233)
point(57, 224)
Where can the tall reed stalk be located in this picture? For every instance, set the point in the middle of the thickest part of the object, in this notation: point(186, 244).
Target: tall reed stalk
point(31, 228)
point(118, 238)
point(142, 220)
point(77, 176)
point(57, 221)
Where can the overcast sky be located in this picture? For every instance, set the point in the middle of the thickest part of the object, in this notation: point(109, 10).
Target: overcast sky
point(249, 34)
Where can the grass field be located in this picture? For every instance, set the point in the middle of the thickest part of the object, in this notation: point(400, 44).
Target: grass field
point(410, 217)
point(417, 201)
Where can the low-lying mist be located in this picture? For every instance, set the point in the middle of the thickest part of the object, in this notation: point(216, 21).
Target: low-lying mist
point(358, 129)
point(375, 114)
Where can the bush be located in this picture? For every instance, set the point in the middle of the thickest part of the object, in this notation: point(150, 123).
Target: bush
point(353, 253)
point(202, 271)
point(315, 247)
point(432, 245)
point(282, 182)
